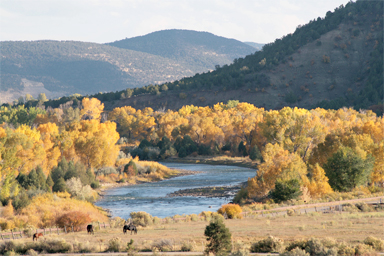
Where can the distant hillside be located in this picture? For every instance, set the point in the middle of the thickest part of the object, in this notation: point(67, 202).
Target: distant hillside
point(201, 48)
point(257, 46)
point(59, 68)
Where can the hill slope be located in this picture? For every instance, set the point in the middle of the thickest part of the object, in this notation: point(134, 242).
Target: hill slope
point(201, 48)
point(60, 68)
point(330, 62)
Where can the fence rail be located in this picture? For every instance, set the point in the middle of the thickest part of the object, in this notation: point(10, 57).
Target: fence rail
point(13, 234)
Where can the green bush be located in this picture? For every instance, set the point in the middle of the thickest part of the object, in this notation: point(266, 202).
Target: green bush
point(285, 190)
point(270, 244)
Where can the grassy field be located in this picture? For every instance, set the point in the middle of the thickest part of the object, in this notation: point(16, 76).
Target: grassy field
point(348, 227)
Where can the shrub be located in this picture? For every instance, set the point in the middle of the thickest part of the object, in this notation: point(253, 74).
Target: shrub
point(84, 248)
point(270, 244)
point(376, 243)
point(233, 211)
point(295, 252)
point(317, 247)
point(106, 171)
point(291, 212)
point(75, 219)
point(363, 249)
point(194, 217)
point(141, 219)
point(163, 245)
point(32, 252)
point(187, 247)
point(301, 244)
point(114, 245)
point(364, 207)
point(95, 184)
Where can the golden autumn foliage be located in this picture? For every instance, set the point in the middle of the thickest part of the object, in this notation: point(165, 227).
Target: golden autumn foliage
point(46, 209)
point(289, 139)
point(318, 184)
point(233, 211)
point(279, 164)
point(92, 108)
point(75, 219)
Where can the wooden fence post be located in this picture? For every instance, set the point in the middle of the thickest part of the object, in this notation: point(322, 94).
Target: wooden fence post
point(13, 237)
point(72, 227)
point(65, 229)
point(2, 238)
point(21, 236)
point(99, 225)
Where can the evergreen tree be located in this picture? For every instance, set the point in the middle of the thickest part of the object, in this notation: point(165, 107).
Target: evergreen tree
point(286, 190)
point(49, 181)
point(255, 154)
point(33, 180)
point(59, 186)
point(218, 237)
point(347, 170)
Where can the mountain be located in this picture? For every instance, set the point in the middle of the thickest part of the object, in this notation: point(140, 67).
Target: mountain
point(202, 48)
point(331, 62)
point(257, 46)
point(59, 68)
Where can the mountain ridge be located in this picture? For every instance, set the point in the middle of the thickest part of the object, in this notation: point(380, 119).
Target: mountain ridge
point(67, 67)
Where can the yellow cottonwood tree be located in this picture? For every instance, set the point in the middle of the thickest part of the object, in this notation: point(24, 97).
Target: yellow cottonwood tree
point(318, 184)
point(278, 164)
point(49, 133)
point(96, 143)
point(92, 108)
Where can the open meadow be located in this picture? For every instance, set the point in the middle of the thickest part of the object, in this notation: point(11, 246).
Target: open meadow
point(169, 235)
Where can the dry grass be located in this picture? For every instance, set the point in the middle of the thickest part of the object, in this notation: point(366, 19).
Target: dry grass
point(348, 227)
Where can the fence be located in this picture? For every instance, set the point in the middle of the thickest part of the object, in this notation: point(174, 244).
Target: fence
point(14, 234)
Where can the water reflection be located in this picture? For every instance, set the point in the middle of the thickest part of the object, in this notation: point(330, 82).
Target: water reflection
point(152, 197)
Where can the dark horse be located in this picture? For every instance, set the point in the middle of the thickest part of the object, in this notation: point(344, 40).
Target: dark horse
point(90, 229)
point(130, 227)
point(37, 235)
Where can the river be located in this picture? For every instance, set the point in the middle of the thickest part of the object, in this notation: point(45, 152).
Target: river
point(152, 197)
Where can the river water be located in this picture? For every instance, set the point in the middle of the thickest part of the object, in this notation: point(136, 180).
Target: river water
point(152, 197)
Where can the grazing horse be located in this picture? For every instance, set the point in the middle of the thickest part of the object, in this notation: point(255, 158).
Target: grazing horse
point(37, 235)
point(130, 227)
point(90, 229)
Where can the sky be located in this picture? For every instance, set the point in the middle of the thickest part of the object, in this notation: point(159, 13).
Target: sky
point(103, 21)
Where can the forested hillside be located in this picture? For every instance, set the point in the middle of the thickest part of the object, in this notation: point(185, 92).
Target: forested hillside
point(61, 68)
point(330, 62)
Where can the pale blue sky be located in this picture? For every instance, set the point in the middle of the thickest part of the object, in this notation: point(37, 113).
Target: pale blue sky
point(102, 21)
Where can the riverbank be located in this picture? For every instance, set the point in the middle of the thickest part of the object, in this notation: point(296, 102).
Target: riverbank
point(109, 185)
point(216, 160)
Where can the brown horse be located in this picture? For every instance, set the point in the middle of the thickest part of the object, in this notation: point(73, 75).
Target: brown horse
point(37, 235)
point(90, 229)
point(130, 227)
